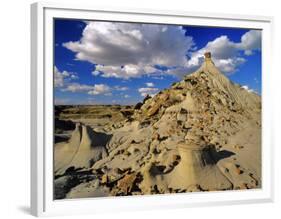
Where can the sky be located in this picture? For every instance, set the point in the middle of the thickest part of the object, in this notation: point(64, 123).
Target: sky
point(100, 62)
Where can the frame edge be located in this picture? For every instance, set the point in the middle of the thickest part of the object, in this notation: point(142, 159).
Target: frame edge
point(37, 93)
point(36, 152)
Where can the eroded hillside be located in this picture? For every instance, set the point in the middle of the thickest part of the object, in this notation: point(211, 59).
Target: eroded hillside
point(201, 134)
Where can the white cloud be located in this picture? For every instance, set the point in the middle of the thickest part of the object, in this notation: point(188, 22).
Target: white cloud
point(126, 96)
point(76, 87)
point(74, 77)
point(125, 50)
point(247, 88)
point(95, 73)
point(100, 89)
point(96, 89)
point(144, 91)
point(225, 53)
point(229, 65)
point(149, 84)
point(126, 72)
point(251, 41)
point(119, 88)
point(158, 77)
point(61, 78)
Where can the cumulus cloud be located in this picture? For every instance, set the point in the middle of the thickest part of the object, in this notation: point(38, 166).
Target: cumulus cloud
point(76, 87)
point(144, 91)
point(149, 84)
point(225, 53)
point(251, 41)
point(229, 65)
point(247, 88)
point(61, 78)
point(95, 73)
point(100, 89)
point(126, 72)
point(96, 89)
point(125, 50)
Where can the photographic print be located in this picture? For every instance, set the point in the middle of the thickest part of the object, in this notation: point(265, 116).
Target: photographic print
point(144, 109)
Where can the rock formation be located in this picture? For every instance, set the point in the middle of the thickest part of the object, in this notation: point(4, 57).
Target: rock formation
point(201, 134)
point(84, 148)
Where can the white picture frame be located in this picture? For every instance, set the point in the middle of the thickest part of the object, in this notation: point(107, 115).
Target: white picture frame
point(42, 203)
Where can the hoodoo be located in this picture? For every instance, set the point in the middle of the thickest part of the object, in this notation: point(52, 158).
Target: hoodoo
point(84, 148)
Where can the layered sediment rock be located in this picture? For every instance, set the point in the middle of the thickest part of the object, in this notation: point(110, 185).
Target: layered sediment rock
point(184, 139)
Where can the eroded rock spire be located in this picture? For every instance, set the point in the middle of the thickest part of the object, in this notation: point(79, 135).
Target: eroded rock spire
point(208, 57)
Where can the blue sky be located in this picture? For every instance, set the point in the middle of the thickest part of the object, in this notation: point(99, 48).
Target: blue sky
point(119, 63)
